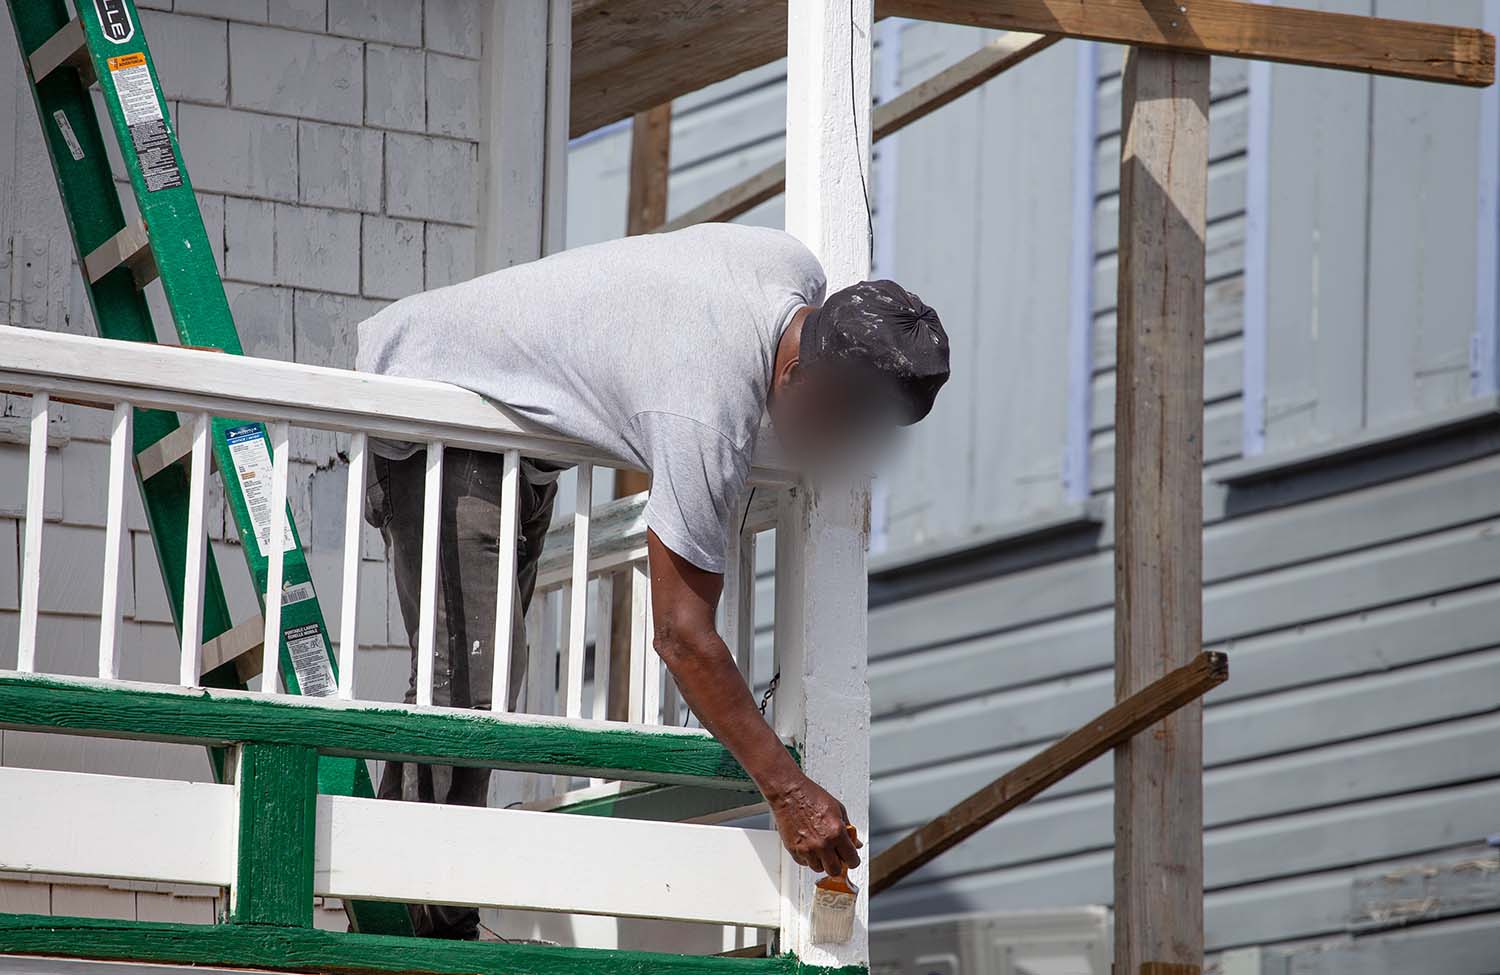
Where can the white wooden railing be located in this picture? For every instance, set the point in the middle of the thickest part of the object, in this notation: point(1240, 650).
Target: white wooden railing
point(582, 557)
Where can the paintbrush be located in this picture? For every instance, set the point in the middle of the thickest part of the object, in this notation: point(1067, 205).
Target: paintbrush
point(833, 905)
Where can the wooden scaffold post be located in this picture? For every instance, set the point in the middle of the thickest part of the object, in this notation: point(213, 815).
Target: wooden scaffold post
point(1159, 506)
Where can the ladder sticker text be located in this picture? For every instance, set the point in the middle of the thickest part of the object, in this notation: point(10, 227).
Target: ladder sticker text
point(309, 653)
point(69, 136)
point(252, 465)
point(114, 20)
point(299, 593)
point(136, 91)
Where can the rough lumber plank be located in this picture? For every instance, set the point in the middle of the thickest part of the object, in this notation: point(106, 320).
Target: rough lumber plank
point(915, 103)
point(1048, 767)
point(631, 56)
point(1159, 501)
point(365, 730)
point(278, 789)
point(1235, 28)
point(306, 949)
point(650, 167)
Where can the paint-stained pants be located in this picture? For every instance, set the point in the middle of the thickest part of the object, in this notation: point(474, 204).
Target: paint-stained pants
point(468, 569)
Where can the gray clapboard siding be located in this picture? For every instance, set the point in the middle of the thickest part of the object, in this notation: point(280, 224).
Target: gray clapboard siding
point(1351, 835)
point(1263, 790)
point(1289, 536)
point(1467, 946)
point(1003, 294)
point(1234, 731)
point(1341, 652)
point(1371, 282)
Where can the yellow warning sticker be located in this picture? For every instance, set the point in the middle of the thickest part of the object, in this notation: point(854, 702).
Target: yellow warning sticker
point(136, 60)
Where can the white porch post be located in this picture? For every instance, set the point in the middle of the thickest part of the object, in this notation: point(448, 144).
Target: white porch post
point(824, 699)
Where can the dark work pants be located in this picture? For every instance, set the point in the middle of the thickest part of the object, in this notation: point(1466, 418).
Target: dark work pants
point(468, 570)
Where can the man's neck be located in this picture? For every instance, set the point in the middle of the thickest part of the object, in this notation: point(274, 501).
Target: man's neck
point(789, 346)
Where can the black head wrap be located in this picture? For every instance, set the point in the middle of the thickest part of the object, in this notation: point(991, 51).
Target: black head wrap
point(884, 334)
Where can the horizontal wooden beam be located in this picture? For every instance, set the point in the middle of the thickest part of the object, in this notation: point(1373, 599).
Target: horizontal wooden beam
point(915, 103)
point(113, 826)
point(1048, 767)
point(579, 864)
point(308, 949)
point(448, 736)
point(1239, 29)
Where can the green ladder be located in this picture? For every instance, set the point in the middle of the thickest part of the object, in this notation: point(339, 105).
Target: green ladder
point(105, 45)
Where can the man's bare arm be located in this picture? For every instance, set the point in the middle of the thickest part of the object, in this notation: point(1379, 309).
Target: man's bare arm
point(684, 597)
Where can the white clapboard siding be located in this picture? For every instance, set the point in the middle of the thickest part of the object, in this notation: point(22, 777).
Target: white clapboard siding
point(110, 826)
point(515, 858)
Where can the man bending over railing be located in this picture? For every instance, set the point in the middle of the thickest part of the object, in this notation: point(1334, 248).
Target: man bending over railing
point(664, 351)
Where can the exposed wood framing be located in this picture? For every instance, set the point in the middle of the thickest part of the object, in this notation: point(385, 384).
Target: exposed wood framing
point(1051, 765)
point(915, 103)
point(650, 169)
point(1159, 502)
point(1236, 28)
point(630, 55)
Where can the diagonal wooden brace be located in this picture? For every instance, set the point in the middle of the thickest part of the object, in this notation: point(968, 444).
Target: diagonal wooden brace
point(1051, 765)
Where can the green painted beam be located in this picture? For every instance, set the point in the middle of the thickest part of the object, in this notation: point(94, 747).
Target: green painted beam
point(40, 702)
point(307, 949)
point(278, 787)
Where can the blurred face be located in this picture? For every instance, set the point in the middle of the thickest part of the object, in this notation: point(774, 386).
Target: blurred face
point(826, 416)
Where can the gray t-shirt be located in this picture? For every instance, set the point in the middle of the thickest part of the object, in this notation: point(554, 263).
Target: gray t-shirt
point(656, 349)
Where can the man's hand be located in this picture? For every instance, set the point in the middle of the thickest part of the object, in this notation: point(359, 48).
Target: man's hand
point(814, 828)
point(812, 822)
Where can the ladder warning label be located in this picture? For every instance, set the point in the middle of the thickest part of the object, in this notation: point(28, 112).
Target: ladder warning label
point(252, 466)
point(65, 129)
point(136, 93)
point(304, 644)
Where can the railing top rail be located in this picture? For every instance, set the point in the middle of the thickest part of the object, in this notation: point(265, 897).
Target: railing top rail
point(108, 371)
point(368, 729)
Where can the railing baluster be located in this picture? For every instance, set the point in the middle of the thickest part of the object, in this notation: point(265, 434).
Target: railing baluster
point(603, 633)
point(270, 667)
point(638, 640)
point(739, 604)
point(197, 545)
point(603, 645)
point(505, 588)
point(651, 694)
point(578, 594)
point(115, 535)
point(353, 529)
point(31, 564)
point(432, 503)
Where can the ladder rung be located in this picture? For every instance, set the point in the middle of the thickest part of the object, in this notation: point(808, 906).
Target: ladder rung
point(130, 247)
point(171, 449)
point(66, 47)
point(240, 645)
